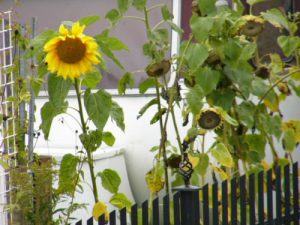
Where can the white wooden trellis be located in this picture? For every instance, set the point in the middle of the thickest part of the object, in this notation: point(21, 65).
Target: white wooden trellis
point(8, 112)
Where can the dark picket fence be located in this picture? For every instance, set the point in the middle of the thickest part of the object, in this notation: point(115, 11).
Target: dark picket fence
point(267, 198)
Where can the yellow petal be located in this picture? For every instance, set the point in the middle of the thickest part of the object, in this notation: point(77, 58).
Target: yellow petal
point(77, 29)
point(63, 31)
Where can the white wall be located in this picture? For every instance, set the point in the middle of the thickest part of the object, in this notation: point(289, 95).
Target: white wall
point(138, 137)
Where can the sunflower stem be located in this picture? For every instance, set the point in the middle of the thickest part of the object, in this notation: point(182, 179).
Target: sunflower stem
point(84, 131)
point(162, 147)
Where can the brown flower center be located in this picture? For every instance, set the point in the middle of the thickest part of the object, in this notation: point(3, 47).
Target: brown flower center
point(71, 50)
point(209, 120)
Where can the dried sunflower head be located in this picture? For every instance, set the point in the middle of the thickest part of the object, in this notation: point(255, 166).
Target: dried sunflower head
point(284, 88)
point(210, 119)
point(252, 25)
point(262, 72)
point(158, 69)
point(174, 160)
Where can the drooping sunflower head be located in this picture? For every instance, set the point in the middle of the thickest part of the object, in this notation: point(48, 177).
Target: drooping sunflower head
point(263, 72)
point(251, 26)
point(210, 119)
point(158, 69)
point(72, 53)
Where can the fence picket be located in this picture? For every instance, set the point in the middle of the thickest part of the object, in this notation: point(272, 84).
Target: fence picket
point(233, 202)
point(287, 195)
point(145, 217)
point(186, 208)
point(260, 188)
point(90, 221)
point(101, 220)
point(243, 199)
point(112, 218)
point(270, 196)
point(177, 219)
point(215, 204)
point(252, 199)
point(205, 204)
point(134, 215)
point(155, 211)
point(123, 216)
point(166, 205)
point(224, 203)
point(296, 194)
point(278, 196)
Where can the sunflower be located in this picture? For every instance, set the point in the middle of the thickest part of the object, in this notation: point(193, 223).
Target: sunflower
point(252, 25)
point(71, 53)
point(210, 119)
point(158, 69)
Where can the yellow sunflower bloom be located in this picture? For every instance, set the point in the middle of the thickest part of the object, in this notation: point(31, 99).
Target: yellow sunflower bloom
point(71, 53)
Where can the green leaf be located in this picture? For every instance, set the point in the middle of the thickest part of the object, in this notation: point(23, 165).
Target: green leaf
point(227, 118)
point(125, 81)
point(37, 44)
point(139, 4)
point(222, 155)
point(114, 43)
point(245, 112)
point(195, 99)
point(158, 115)
point(207, 79)
point(253, 2)
point(68, 174)
point(121, 201)
point(276, 18)
point(165, 12)
point(98, 106)
point(203, 164)
point(92, 79)
point(123, 5)
point(240, 77)
point(113, 16)
point(222, 98)
point(257, 146)
point(201, 27)
point(288, 44)
point(117, 115)
point(289, 140)
point(146, 107)
point(270, 124)
point(37, 81)
point(207, 6)
point(92, 140)
point(233, 49)
point(58, 89)
point(110, 180)
point(108, 52)
point(88, 20)
point(175, 27)
point(196, 55)
point(108, 138)
point(159, 36)
point(146, 84)
point(258, 87)
point(48, 112)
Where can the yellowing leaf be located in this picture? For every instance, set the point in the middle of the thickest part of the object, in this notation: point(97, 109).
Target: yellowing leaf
point(296, 75)
point(222, 173)
point(222, 155)
point(294, 125)
point(194, 160)
point(99, 209)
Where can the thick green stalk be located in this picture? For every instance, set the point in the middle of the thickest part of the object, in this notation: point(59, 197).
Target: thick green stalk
point(162, 147)
point(84, 131)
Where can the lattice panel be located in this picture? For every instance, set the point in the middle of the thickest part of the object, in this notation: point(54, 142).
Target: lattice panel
point(7, 113)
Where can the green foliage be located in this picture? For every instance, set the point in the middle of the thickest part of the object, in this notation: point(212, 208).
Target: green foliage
point(117, 115)
point(221, 153)
point(91, 80)
point(91, 140)
point(110, 180)
point(120, 201)
point(98, 106)
point(88, 20)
